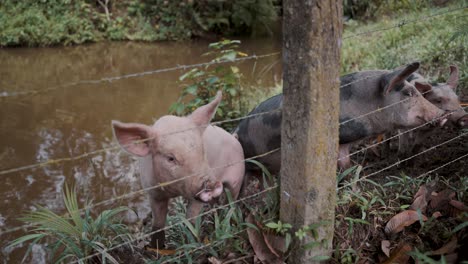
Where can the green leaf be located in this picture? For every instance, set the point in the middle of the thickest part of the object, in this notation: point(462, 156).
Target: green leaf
point(312, 244)
point(234, 69)
point(212, 80)
point(192, 89)
point(180, 109)
point(272, 225)
point(188, 74)
point(25, 238)
point(460, 227)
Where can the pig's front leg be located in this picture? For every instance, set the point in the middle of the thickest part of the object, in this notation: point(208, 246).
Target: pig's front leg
point(234, 179)
point(344, 162)
point(159, 212)
point(194, 208)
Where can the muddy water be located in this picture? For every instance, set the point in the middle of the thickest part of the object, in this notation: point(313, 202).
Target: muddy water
point(66, 121)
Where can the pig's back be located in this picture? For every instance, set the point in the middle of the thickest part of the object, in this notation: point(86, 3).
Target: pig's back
point(262, 133)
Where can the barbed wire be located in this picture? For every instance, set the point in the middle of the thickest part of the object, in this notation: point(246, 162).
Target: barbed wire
point(402, 133)
point(403, 160)
point(211, 243)
point(432, 55)
point(442, 166)
point(103, 150)
point(158, 186)
point(88, 154)
point(179, 223)
point(185, 67)
point(405, 22)
point(134, 75)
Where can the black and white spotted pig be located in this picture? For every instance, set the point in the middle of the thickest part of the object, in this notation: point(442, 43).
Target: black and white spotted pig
point(362, 93)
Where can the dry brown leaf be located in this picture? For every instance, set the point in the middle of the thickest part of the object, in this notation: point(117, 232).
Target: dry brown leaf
point(277, 244)
point(385, 245)
point(459, 205)
point(214, 260)
point(398, 222)
point(440, 201)
point(399, 254)
point(447, 248)
point(421, 192)
point(162, 252)
point(436, 214)
point(420, 203)
point(259, 246)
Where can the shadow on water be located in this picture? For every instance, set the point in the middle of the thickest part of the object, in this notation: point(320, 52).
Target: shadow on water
point(70, 121)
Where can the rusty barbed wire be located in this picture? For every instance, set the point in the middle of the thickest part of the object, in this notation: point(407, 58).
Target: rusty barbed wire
point(404, 22)
point(179, 223)
point(158, 186)
point(134, 75)
point(403, 160)
point(402, 133)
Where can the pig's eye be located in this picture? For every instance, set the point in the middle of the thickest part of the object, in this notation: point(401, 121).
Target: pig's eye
point(408, 92)
point(438, 101)
point(171, 159)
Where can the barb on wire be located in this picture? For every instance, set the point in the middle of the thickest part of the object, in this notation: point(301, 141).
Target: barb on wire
point(179, 223)
point(134, 75)
point(406, 22)
point(404, 160)
point(141, 191)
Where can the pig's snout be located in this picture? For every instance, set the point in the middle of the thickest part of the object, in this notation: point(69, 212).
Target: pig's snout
point(436, 117)
point(209, 191)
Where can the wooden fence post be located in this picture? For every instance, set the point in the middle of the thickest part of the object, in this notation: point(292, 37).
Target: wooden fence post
point(309, 142)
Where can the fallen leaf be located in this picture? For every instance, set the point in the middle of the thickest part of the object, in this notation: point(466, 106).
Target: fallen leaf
point(436, 214)
point(421, 192)
point(420, 203)
point(440, 201)
point(259, 246)
point(214, 260)
point(398, 222)
point(385, 245)
point(277, 244)
point(399, 254)
point(459, 205)
point(162, 252)
point(447, 248)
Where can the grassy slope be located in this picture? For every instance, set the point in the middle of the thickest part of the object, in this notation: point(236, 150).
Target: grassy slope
point(428, 40)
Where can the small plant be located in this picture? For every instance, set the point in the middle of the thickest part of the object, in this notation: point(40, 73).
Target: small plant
point(75, 235)
point(204, 83)
point(217, 232)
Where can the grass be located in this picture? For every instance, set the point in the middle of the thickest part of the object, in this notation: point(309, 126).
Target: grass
point(436, 41)
point(77, 234)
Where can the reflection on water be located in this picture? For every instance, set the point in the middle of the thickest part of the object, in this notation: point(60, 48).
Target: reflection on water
point(69, 121)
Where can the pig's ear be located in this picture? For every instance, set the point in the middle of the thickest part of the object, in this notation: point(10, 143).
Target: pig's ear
point(452, 82)
point(423, 88)
point(204, 114)
point(396, 78)
point(127, 133)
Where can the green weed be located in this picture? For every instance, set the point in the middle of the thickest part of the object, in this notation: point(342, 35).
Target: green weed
point(75, 235)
